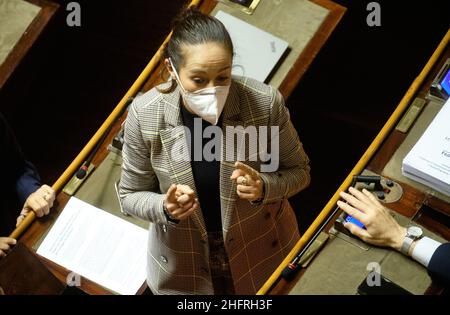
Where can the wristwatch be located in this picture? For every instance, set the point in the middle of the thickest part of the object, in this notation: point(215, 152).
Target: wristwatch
point(413, 233)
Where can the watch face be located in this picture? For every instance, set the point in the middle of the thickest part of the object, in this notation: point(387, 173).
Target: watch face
point(415, 231)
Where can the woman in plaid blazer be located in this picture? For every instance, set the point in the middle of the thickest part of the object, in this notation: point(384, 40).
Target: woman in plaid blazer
point(218, 225)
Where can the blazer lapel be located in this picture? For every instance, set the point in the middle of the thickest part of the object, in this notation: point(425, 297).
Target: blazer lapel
point(228, 195)
point(174, 143)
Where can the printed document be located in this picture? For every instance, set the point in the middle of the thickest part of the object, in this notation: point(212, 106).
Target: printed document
point(98, 246)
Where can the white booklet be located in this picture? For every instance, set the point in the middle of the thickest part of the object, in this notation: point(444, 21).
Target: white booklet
point(256, 51)
point(429, 160)
point(98, 246)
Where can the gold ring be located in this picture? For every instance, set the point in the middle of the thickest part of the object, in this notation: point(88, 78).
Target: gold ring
point(242, 180)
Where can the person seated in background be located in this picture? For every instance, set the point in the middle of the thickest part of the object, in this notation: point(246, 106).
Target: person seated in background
point(20, 188)
point(383, 230)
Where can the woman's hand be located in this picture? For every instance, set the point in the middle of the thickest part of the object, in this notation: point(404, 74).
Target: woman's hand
point(180, 202)
point(249, 183)
point(381, 227)
point(6, 243)
point(40, 202)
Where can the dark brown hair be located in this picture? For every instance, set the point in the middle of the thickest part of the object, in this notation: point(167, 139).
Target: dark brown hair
point(193, 27)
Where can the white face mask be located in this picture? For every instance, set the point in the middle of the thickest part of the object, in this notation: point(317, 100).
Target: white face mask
point(207, 103)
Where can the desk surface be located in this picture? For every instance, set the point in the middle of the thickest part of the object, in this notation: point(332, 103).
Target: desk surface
point(23, 22)
point(292, 68)
point(418, 204)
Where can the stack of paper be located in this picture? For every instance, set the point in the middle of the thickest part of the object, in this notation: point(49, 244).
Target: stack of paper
point(429, 160)
point(98, 246)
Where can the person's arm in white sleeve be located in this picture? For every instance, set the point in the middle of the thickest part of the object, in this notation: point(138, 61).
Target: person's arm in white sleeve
point(423, 249)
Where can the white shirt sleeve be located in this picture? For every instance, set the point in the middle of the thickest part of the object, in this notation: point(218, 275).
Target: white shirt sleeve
point(424, 250)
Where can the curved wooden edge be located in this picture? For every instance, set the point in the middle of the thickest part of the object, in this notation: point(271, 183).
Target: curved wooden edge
point(82, 156)
point(31, 34)
point(309, 53)
point(360, 165)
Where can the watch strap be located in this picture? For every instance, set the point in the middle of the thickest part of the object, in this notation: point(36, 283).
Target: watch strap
point(168, 216)
point(407, 242)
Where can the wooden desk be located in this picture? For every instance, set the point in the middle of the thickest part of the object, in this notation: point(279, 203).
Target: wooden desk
point(293, 67)
point(420, 204)
point(29, 37)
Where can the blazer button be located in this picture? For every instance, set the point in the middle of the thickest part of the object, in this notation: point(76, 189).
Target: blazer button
point(267, 215)
point(164, 259)
point(164, 228)
point(274, 243)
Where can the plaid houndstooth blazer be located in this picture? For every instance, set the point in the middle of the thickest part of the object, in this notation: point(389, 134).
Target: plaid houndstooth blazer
point(257, 237)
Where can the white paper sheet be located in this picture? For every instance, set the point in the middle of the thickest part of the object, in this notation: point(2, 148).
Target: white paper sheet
point(429, 160)
point(256, 51)
point(98, 246)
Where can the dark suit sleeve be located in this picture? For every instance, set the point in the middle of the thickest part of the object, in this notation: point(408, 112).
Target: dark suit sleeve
point(21, 175)
point(439, 265)
point(28, 182)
